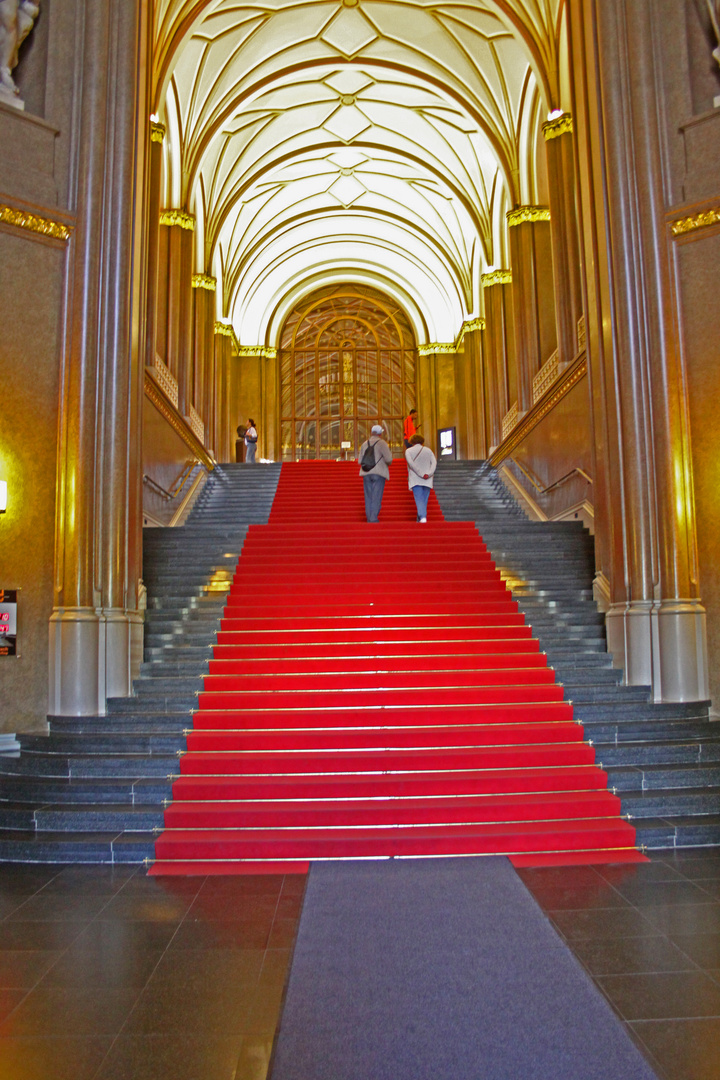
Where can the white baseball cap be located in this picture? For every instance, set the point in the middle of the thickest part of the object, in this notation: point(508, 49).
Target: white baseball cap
point(376, 430)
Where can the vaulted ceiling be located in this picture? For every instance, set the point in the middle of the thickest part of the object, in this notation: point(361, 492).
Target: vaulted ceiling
point(379, 141)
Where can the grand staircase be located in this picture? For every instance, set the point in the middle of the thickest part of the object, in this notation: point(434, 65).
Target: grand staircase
point(100, 789)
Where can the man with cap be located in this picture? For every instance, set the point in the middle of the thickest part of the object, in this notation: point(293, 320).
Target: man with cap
point(374, 478)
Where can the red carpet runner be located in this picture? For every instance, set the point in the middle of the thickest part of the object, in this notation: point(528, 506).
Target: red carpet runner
point(374, 692)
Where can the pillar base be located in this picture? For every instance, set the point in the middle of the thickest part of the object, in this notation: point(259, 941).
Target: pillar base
point(662, 645)
point(94, 655)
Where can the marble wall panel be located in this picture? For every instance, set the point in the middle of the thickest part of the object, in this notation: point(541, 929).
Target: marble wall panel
point(31, 285)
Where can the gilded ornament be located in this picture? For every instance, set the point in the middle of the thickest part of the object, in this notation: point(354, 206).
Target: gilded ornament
point(497, 277)
point(521, 214)
point(698, 221)
point(21, 219)
point(436, 347)
point(178, 217)
point(203, 281)
point(157, 132)
point(551, 129)
point(470, 325)
point(265, 352)
point(224, 329)
point(154, 394)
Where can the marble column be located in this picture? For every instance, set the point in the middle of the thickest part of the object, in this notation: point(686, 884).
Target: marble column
point(218, 391)
point(470, 384)
point(157, 135)
point(95, 616)
point(498, 351)
point(644, 513)
point(560, 152)
point(533, 295)
point(203, 323)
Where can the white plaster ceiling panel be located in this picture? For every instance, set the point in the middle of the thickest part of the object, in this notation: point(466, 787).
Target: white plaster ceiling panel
point(390, 120)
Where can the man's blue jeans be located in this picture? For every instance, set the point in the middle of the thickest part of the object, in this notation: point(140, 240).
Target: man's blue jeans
point(374, 486)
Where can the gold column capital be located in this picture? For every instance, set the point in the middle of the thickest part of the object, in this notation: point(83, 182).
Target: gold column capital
point(178, 217)
point(496, 277)
point(522, 214)
point(472, 324)
point(436, 347)
point(224, 329)
point(265, 352)
point(552, 129)
point(203, 281)
point(157, 131)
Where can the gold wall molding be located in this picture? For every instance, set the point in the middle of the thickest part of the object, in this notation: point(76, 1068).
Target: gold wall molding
point(697, 221)
point(471, 324)
point(572, 374)
point(157, 131)
point(165, 407)
point(497, 277)
point(265, 352)
point(521, 214)
point(23, 219)
point(203, 281)
point(178, 217)
point(224, 329)
point(440, 347)
point(552, 129)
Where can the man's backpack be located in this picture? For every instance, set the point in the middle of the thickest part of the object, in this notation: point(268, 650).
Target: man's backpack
point(367, 462)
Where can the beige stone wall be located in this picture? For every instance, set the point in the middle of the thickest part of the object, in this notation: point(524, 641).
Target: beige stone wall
point(31, 286)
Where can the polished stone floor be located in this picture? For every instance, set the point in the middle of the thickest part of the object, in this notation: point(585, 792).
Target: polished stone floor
point(111, 975)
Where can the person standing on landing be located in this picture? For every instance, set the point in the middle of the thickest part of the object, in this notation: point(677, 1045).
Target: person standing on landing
point(251, 438)
point(409, 427)
point(374, 478)
point(421, 463)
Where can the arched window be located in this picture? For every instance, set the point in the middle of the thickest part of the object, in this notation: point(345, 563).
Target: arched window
point(347, 361)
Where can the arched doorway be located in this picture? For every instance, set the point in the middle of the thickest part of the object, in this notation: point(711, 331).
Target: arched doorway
point(347, 361)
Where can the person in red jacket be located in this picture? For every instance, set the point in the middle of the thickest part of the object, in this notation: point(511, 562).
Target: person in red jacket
point(409, 427)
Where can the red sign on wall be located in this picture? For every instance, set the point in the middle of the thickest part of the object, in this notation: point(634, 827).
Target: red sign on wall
point(8, 622)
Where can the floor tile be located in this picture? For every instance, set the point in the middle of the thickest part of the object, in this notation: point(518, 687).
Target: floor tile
point(658, 870)
point(275, 966)
point(57, 1010)
point(564, 876)
point(62, 1058)
point(221, 934)
point(210, 904)
point(695, 867)
point(559, 898)
point(22, 970)
point(9, 1000)
point(254, 1060)
point(704, 949)
point(103, 968)
point(283, 933)
point(675, 919)
point(122, 934)
point(653, 893)
point(626, 956)
point(150, 908)
point(58, 907)
point(666, 996)
point(711, 887)
point(603, 923)
point(686, 1049)
point(195, 967)
point(171, 1057)
point(167, 1007)
point(28, 936)
point(25, 880)
point(90, 880)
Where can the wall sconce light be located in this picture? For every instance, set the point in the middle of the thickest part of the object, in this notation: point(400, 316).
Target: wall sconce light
point(3, 496)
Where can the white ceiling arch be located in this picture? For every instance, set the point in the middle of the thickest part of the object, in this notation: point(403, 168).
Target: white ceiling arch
point(390, 133)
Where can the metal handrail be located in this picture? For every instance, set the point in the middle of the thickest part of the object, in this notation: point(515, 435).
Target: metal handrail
point(183, 479)
point(556, 483)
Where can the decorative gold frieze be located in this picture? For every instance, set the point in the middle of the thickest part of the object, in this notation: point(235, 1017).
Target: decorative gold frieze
point(436, 347)
point(224, 329)
point(509, 420)
point(546, 376)
point(178, 217)
point(266, 352)
point(21, 219)
point(697, 221)
point(497, 277)
point(157, 131)
point(203, 281)
point(521, 214)
point(471, 324)
point(166, 380)
point(551, 129)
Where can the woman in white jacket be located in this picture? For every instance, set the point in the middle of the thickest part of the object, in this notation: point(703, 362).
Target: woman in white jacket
point(421, 463)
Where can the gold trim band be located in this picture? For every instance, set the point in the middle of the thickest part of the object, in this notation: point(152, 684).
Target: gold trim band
point(21, 219)
point(470, 325)
point(203, 281)
point(265, 352)
point(698, 221)
point(157, 132)
point(521, 214)
point(436, 347)
point(176, 422)
point(496, 277)
point(224, 329)
point(178, 217)
point(551, 129)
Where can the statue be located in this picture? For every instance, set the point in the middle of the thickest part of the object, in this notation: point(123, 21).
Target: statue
point(17, 18)
point(714, 10)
